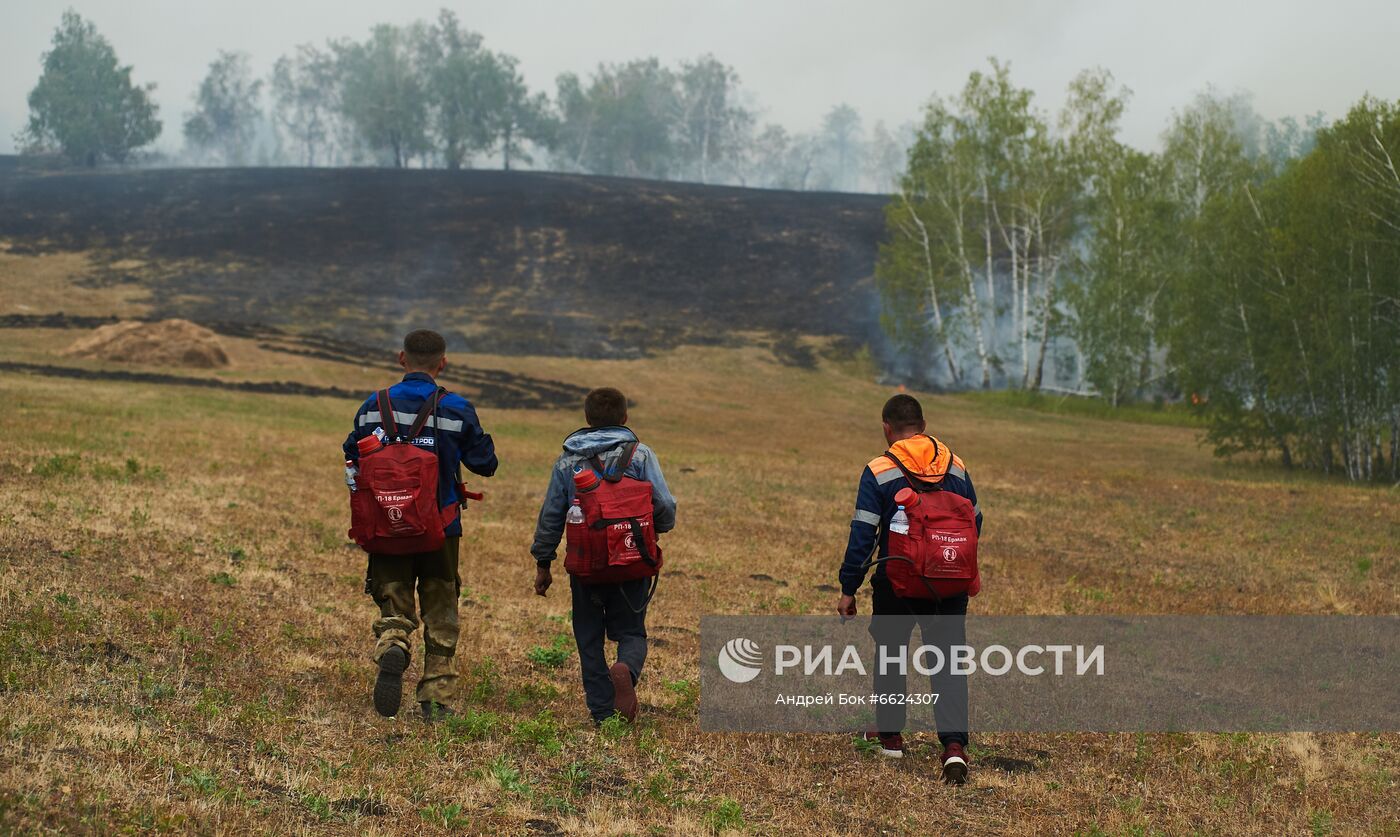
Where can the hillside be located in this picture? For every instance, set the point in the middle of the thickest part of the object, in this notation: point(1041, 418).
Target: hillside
point(186, 643)
point(501, 262)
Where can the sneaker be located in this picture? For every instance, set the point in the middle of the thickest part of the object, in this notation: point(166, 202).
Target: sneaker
point(624, 692)
point(890, 745)
point(388, 686)
point(434, 712)
point(954, 764)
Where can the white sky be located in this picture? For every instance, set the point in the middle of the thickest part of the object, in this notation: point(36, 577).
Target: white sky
point(795, 57)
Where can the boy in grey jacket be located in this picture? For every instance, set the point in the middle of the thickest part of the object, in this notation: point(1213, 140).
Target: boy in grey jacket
point(614, 611)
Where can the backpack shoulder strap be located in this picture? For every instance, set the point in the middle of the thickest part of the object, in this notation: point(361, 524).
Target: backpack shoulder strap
point(386, 413)
point(429, 408)
point(629, 451)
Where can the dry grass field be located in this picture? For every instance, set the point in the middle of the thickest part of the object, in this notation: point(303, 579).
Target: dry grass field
point(185, 638)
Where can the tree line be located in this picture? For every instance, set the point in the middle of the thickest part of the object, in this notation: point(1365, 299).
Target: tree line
point(430, 94)
point(1249, 268)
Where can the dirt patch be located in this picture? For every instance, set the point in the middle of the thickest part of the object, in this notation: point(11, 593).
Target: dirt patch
point(267, 387)
point(517, 396)
point(484, 387)
point(1007, 764)
point(34, 282)
point(164, 343)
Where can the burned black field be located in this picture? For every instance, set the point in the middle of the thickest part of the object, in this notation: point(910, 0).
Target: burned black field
point(502, 262)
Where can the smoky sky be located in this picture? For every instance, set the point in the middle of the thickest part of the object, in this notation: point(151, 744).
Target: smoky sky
point(796, 58)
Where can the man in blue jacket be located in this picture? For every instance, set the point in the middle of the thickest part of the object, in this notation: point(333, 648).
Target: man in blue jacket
point(617, 611)
point(930, 461)
point(454, 434)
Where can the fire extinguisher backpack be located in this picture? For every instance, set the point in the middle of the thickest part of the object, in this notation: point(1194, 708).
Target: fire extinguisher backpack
point(616, 541)
point(938, 556)
point(394, 509)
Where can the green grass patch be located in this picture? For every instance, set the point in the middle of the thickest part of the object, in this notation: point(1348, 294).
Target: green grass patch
point(486, 681)
point(59, 465)
point(726, 815)
point(470, 725)
point(555, 654)
point(1173, 415)
point(508, 776)
point(687, 692)
point(614, 727)
point(865, 745)
point(540, 731)
point(452, 817)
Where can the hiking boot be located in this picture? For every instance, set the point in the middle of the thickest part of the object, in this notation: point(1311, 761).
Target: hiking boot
point(624, 692)
point(434, 712)
point(388, 686)
point(890, 745)
point(954, 764)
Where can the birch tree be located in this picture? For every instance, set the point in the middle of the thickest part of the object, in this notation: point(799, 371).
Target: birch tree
point(382, 92)
point(926, 269)
point(1296, 310)
point(713, 126)
point(460, 88)
point(227, 110)
point(304, 101)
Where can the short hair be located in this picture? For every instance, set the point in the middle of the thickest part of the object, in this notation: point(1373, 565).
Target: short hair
point(424, 348)
point(903, 412)
point(605, 407)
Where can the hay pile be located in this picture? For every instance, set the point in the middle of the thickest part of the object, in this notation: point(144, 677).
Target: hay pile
point(164, 343)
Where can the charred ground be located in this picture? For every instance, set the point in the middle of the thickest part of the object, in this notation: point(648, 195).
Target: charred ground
point(504, 262)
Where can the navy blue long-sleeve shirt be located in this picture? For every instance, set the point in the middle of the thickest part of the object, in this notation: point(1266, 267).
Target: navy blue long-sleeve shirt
point(926, 458)
point(459, 437)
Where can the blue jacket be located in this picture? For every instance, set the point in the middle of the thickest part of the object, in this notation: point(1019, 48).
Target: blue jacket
point(460, 440)
point(926, 458)
point(606, 444)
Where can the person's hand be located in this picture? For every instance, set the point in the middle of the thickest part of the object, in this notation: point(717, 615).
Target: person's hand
point(543, 578)
point(846, 607)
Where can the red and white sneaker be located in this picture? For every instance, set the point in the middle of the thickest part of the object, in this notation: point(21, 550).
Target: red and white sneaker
point(890, 745)
point(954, 764)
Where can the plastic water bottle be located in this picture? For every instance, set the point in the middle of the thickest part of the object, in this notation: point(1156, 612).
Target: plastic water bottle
point(575, 515)
point(899, 524)
point(350, 472)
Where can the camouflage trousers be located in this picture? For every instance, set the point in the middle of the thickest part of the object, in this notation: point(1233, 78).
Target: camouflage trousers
point(392, 579)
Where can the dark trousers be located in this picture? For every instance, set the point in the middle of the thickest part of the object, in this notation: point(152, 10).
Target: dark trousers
point(942, 624)
point(606, 610)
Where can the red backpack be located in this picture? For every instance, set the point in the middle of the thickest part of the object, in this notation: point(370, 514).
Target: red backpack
point(394, 508)
point(938, 556)
point(616, 539)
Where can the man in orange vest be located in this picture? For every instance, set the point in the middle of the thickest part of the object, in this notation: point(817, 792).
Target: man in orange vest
point(912, 453)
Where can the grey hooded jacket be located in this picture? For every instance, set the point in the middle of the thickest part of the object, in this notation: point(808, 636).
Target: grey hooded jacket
point(606, 443)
